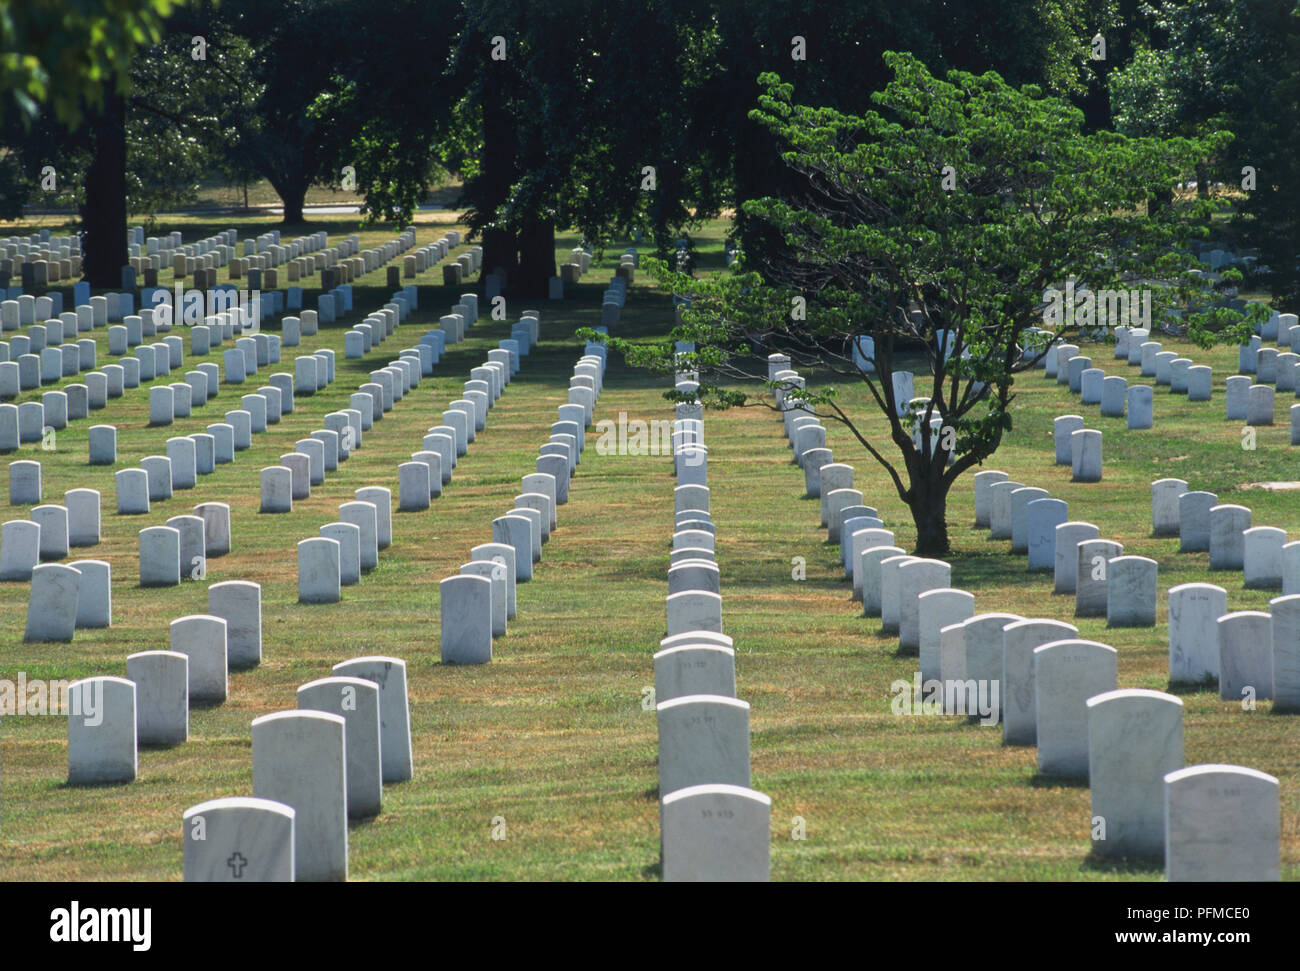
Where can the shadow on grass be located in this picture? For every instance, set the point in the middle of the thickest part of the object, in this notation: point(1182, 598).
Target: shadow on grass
point(1040, 781)
point(158, 746)
point(1193, 688)
point(1095, 863)
point(65, 784)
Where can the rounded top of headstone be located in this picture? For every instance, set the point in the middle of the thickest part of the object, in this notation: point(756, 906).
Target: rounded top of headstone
point(938, 592)
point(902, 556)
point(298, 714)
point(1238, 615)
point(721, 700)
point(695, 637)
point(461, 579)
point(338, 681)
point(104, 679)
point(1070, 642)
point(716, 789)
point(1133, 694)
point(175, 656)
point(1217, 768)
point(682, 648)
point(369, 660)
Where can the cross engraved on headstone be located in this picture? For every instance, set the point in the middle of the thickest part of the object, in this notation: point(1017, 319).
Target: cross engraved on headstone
point(237, 864)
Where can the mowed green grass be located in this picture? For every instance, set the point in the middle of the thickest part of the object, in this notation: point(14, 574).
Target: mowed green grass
point(552, 736)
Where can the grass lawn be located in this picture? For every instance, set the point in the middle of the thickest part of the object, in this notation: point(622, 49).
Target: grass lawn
point(552, 735)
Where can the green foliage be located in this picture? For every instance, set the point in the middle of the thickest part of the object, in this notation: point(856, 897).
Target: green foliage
point(952, 207)
point(67, 55)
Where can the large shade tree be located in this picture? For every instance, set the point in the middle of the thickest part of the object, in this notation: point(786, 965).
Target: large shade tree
point(933, 227)
point(72, 62)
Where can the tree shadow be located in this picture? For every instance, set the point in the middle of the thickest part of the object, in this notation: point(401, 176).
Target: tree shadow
point(1096, 863)
point(158, 746)
point(1040, 781)
point(67, 784)
point(1192, 687)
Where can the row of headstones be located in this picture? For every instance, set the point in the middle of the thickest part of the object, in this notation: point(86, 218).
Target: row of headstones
point(713, 825)
point(613, 299)
point(337, 265)
point(1122, 588)
point(166, 402)
point(976, 660)
point(65, 598)
point(425, 258)
point(1054, 691)
point(1244, 399)
point(19, 423)
point(148, 256)
point(313, 457)
point(337, 281)
point(188, 457)
point(220, 326)
point(850, 524)
point(477, 605)
point(958, 655)
point(1112, 392)
point(314, 769)
point(57, 255)
point(204, 648)
point(76, 525)
point(464, 266)
point(1253, 649)
point(1277, 327)
point(344, 549)
point(302, 257)
point(1106, 583)
point(421, 479)
point(580, 260)
point(1203, 524)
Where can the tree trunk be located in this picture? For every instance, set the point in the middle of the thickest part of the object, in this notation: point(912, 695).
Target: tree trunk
point(929, 512)
point(499, 243)
point(536, 258)
point(104, 216)
point(294, 196)
point(1202, 180)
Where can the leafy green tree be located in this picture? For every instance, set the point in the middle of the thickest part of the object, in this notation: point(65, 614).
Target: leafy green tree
point(945, 215)
point(76, 59)
point(571, 117)
point(1267, 147)
point(69, 56)
point(1187, 79)
point(1027, 41)
point(1224, 64)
